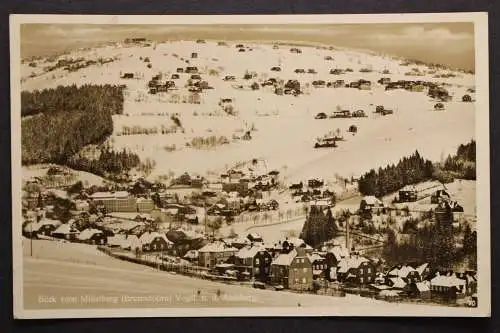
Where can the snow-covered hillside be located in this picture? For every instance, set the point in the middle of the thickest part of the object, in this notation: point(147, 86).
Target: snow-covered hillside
point(285, 129)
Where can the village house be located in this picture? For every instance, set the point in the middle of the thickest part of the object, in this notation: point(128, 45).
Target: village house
point(66, 231)
point(44, 227)
point(420, 290)
point(120, 201)
point(370, 204)
point(447, 287)
point(253, 261)
point(334, 254)
point(356, 270)
point(92, 236)
point(292, 270)
point(154, 241)
point(319, 266)
point(408, 194)
point(405, 272)
point(215, 253)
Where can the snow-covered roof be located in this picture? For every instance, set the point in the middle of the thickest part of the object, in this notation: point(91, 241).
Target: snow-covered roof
point(372, 200)
point(110, 195)
point(66, 229)
point(148, 237)
point(420, 269)
point(409, 188)
point(314, 256)
point(217, 247)
point(447, 281)
point(250, 251)
point(397, 282)
point(339, 252)
point(88, 234)
point(403, 271)
point(423, 286)
point(285, 259)
point(191, 254)
point(353, 262)
point(35, 226)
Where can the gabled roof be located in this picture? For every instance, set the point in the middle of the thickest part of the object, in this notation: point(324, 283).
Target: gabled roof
point(403, 271)
point(285, 259)
point(35, 226)
point(353, 262)
point(110, 195)
point(148, 237)
point(398, 282)
point(66, 229)
point(88, 234)
point(372, 200)
point(217, 247)
point(339, 252)
point(423, 286)
point(420, 269)
point(314, 256)
point(250, 251)
point(447, 281)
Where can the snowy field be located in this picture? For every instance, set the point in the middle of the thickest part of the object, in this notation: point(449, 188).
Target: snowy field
point(99, 280)
point(285, 126)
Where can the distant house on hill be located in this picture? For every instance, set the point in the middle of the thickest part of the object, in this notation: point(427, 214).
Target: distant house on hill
point(408, 194)
point(370, 203)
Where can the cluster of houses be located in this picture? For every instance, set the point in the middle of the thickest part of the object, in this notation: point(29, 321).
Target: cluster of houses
point(292, 264)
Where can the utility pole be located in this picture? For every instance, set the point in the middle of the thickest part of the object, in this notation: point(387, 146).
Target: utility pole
point(347, 236)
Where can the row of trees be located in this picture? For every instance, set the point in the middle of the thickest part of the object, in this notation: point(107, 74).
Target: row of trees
point(109, 162)
point(319, 227)
point(463, 164)
point(67, 119)
point(72, 98)
point(409, 170)
point(432, 243)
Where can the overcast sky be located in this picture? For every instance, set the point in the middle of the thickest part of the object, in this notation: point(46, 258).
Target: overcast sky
point(450, 44)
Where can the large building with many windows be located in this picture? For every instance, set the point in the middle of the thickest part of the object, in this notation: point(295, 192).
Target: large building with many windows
point(120, 201)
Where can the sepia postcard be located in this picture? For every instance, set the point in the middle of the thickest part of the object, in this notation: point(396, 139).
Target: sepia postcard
point(300, 165)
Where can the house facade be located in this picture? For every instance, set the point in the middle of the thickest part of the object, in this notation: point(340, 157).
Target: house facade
point(215, 253)
point(292, 270)
point(356, 270)
point(255, 261)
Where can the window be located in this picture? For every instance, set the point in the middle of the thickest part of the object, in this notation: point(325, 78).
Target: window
point(304, 280)
point(296, 280)
point(257, 270)
point(369, 270)
point(304, 269)
point(361, 280)
point(257, 261)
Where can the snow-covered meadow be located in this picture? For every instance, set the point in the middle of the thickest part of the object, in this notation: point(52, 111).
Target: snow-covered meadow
point(285, 126)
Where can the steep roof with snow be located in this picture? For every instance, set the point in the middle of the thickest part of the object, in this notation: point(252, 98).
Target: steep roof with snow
point(217, 247)
point(353, 262)
point(285, 259)
point(148, 237)
point(250, 251)
point(88, 234)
